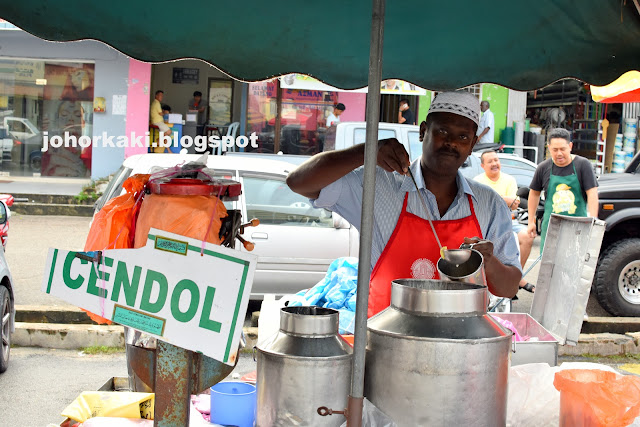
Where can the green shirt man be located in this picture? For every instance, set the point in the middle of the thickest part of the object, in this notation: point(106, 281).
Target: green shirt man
point(569, 183)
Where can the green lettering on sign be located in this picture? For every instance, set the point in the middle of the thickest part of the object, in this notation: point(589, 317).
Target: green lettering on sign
point(122, 282)
point(138, 320)
point(161, 280)
point(93, 277)
point(182, 286)
point(205, 320)
point(171, 245)
point(66, 272)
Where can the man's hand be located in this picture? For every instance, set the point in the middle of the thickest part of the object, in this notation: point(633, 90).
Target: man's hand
point(531, 230)
point(485, 247)
point(392, 156)
point(502, 280)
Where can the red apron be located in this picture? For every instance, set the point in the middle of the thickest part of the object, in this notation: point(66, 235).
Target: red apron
point(412, 252)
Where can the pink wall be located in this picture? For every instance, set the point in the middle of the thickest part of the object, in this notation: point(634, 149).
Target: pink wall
point(356, 105)
point(138, 102)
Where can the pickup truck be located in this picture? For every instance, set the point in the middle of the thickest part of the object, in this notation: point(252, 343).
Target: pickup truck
point(617, 278)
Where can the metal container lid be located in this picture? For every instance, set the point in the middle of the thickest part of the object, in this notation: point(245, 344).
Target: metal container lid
point(438, 297)
point(307, 333)
point(307, 321)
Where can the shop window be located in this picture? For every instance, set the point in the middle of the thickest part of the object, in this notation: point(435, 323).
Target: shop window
point(304, 117)
point(261, 114)
point(46, 96)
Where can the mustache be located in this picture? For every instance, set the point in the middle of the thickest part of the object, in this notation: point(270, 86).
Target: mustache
point(451, 151)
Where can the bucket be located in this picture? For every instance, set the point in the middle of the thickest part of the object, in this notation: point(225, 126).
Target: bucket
point(233, 403)
point(471, 271)
point(630, 125)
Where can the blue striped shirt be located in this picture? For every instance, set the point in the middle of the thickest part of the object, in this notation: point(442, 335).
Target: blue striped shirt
point(344, 197)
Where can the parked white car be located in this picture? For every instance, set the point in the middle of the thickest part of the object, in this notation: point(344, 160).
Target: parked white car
point(7, 312)
point(295, 243)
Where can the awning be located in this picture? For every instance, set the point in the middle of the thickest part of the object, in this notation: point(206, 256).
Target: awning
point(433, 44)
point(624, 89)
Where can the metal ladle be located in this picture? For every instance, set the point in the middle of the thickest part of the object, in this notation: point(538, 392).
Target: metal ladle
point(455, 256)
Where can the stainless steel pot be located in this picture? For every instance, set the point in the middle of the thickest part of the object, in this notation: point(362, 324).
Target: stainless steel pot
point(305, 366)
point(435, 358)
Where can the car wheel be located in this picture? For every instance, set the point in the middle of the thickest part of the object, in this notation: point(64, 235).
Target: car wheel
point(617, 279)
point(36, 163)
point(5, 328)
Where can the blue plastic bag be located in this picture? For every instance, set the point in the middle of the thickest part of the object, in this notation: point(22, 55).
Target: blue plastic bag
point(337, 290)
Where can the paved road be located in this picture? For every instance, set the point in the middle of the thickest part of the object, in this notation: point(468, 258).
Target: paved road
point(30, 237)
point(40, 383)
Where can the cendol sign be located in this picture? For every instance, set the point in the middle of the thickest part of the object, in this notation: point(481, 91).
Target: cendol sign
point(171, 288)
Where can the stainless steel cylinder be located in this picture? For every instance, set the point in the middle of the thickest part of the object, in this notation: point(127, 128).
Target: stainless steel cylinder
point(305, 366)
point(435, 358)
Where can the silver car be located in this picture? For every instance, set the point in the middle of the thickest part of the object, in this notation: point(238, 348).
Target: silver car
point(295, 243)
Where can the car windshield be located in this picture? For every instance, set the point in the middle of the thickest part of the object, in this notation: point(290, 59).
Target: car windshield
point(415, 145)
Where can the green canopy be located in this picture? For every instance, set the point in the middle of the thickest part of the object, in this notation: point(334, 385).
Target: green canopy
point(434, 44)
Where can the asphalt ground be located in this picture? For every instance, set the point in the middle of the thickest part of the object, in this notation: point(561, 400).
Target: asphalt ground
point(40, 383)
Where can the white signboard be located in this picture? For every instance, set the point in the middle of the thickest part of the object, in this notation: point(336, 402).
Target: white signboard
point(390, 86)
point(119, 105)
point(167, 289)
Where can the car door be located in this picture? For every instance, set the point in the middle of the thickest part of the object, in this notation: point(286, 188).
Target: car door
point(295, 242)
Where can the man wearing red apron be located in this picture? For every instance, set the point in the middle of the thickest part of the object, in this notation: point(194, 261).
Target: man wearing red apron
point(404, 245)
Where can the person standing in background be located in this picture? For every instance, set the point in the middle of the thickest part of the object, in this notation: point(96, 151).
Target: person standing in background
point(569, 183)
point(334, 118)
point(486, 127)
point(197, 104)
point(157, 119)
point(405, 115)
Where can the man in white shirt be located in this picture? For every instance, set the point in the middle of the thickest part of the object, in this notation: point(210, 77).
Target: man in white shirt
point(486, 126)
point(334, 118)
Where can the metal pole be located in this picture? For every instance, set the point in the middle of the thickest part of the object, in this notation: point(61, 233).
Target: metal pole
point(354, 406)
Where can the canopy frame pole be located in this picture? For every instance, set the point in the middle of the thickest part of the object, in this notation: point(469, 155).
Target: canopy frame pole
point(356, 398)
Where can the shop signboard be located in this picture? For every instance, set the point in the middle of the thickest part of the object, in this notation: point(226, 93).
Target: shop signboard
point(390, 86)
point(186, 75)
point(173, 288)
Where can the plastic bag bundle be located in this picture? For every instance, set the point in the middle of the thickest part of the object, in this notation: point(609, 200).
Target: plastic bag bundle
point(597, 398)
point(113, 227)
point(337, 290)
point(110, 404)
point(191, 216)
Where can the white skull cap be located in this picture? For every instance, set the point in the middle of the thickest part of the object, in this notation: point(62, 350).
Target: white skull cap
point(461, 103)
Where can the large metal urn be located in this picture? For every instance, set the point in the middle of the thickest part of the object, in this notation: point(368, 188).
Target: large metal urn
point(305, 366)
point(435, 358)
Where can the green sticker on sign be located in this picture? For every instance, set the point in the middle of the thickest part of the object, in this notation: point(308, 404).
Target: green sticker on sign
point(171, 245)
point(138, 320)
